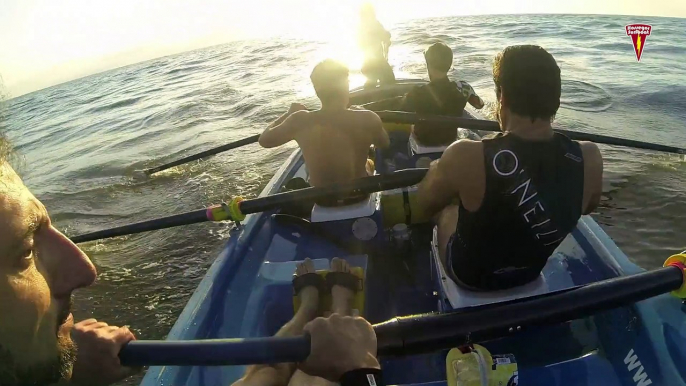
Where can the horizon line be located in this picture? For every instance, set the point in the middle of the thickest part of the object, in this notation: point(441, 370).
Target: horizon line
point(11, 97)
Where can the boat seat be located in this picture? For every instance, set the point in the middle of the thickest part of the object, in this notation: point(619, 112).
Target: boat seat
point(416, 148)
point(302, 172)
point(422, 155)
point(460, 297)
point(364, 208)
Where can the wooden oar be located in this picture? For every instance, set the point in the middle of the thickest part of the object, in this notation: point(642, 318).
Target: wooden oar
point(416, 334)
point(238, 208)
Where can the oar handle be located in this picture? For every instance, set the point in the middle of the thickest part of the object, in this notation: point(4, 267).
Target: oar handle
point(215, 352)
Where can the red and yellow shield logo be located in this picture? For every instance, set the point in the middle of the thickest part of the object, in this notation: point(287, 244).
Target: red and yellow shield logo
point(639, 34)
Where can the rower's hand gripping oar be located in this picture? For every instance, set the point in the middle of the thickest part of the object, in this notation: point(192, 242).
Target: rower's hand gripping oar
point(238, 207)
point(425, 333)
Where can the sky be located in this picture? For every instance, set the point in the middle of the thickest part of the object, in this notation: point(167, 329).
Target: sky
point(46, 42)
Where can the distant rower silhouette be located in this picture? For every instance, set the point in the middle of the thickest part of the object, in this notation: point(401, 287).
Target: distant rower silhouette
point(374, 40)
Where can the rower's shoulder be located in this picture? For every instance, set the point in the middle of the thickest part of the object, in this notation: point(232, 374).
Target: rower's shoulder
point(359, 112)
point(461, 154)
point(464, 149)
point(590, 151)
point(300, 116)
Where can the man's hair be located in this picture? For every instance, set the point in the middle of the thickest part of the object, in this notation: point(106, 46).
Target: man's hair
point(5, 149)
point(439, 57)
point(5, 145)
point(529, 79)
point(330, 79)
point(367, 10)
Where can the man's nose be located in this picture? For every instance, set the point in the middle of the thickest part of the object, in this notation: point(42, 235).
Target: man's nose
point(70, 268)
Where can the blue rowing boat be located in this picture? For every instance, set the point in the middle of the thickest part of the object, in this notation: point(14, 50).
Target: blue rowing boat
point(247, 291)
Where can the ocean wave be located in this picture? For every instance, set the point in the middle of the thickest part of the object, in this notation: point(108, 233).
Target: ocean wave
point(669, 98)
point(616, 46)
point(184, 69)
point(584, 96)
point(115, 105)
point(66, 216)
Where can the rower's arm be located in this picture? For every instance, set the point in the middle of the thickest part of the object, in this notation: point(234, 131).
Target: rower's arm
point(593, 175)
point(476, 101)
point(473, 98)
point(439, 187)
point(380, 137)
point(282, 130)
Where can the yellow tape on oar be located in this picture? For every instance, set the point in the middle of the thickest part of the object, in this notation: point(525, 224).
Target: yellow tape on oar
point(680, 262)
point(230, 211)
point(402, 206)
point(476, 366)
point(391, 127)
point(357, 303)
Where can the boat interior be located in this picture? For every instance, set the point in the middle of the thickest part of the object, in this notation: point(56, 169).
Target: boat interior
point(248, 290)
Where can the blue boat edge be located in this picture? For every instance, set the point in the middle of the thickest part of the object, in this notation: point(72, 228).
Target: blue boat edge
point(215, 279)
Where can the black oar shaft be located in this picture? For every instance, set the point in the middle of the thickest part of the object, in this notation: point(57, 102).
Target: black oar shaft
point(477, 124)
point(144, 226)
point(364, 185)
point(579, 136)
point(206, 153)
point(422, 333)
point(466, 123)
point(399, 179)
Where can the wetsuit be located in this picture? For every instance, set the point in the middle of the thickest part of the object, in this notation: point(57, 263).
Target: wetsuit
point(438, 97)
point(532, 201)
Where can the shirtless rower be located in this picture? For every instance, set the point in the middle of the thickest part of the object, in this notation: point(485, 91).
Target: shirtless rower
point(335, 139)
point(505, 203)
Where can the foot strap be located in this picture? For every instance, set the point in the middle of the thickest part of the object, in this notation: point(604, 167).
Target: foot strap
point(344, 279)
point(308, 279)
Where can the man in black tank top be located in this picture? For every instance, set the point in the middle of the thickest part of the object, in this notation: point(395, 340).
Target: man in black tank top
point(505, 203)
point(439, 97)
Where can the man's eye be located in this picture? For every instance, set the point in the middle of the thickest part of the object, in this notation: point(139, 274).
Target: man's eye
point(25, 258)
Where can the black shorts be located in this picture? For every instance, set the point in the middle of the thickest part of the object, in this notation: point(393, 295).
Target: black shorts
point(467, 272)
point(453, 273)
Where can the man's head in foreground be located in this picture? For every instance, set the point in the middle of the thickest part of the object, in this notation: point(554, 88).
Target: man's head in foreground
point(39, 270)
point(527, 84)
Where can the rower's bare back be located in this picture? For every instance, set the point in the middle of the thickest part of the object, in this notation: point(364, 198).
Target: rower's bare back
point(335, 145)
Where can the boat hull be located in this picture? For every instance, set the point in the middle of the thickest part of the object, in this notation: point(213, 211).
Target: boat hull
point(246, 293)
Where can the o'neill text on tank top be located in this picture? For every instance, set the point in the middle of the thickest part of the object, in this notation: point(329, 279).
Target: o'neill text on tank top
point(528, 203)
